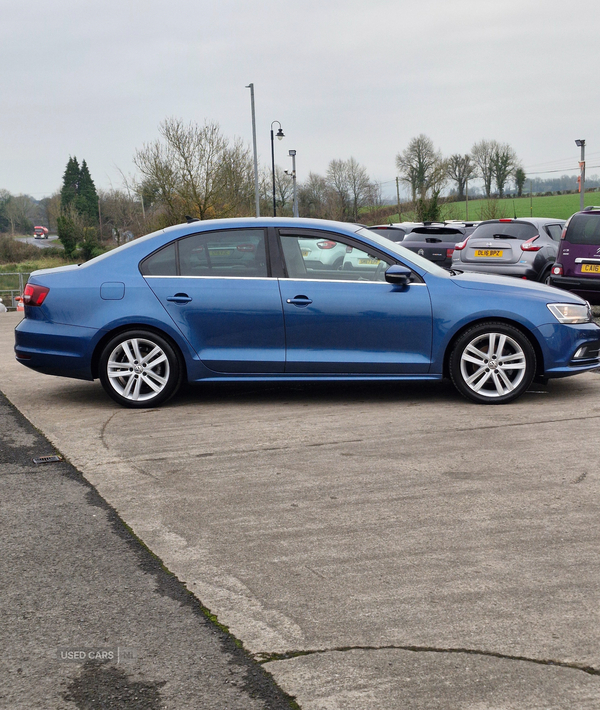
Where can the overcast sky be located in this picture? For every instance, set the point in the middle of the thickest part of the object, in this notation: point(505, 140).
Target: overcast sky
point(345, 78)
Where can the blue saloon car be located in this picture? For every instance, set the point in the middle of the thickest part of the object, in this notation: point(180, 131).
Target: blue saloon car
point(236, 300)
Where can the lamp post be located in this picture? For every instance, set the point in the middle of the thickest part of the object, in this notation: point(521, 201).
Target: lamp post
point(581, 143)
point(292, 154)
point(280, 135)
point(256, 188)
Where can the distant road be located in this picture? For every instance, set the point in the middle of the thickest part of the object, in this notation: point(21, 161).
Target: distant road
point(52, 241)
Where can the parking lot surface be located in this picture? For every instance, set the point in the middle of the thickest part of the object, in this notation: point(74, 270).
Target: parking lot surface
point(373, 546)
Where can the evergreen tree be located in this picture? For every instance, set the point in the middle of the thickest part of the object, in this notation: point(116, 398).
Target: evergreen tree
point(86, 202)
point(68, 193)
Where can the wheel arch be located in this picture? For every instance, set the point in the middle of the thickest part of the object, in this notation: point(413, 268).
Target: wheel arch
point(109, 335)
point(539, 355)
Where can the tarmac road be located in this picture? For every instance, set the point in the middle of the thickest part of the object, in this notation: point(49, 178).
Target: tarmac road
point(378, 546)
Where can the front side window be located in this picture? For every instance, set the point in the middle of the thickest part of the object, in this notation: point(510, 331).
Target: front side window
point(312, 257)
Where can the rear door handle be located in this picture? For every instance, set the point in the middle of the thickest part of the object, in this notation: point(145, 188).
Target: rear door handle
point(179, 298)
point(299, 301)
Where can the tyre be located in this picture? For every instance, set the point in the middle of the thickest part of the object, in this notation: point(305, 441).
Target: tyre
point(492, 363)
point(545, 276)
point(140, 369)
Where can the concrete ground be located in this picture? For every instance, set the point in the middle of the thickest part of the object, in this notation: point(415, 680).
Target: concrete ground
point(373, 546)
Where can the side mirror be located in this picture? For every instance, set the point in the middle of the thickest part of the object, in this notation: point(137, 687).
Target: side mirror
point(398, 275)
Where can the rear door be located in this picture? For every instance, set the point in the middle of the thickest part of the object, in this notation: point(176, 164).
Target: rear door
point(217, 288)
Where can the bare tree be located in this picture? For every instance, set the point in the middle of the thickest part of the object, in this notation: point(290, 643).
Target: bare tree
point(350, 188)
point(421, 166)
point(314, 197)
point(460, 169)
point(194, 170)
point(504, 162)
point(19, 210)
point(482, 154)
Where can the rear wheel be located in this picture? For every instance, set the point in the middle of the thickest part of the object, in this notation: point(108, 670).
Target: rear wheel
point(139, 369)
point(492, 363)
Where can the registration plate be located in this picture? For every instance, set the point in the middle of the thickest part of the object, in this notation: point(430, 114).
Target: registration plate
point(489, 252)
point(374, 262)
point(590, 268)
point(221, 252)
point(305, 252)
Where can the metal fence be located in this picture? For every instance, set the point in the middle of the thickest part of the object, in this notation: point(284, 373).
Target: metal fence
point(11, 286)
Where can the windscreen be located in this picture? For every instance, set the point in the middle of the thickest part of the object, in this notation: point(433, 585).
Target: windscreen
point(517, 230)
point(584, 229)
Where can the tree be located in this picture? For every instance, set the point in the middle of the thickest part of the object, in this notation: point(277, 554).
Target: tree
point(504, 162)
point(421, 166)
point(194, 170)
point(314, 197)
point(70, 230)
point(460, 169)
point(86, 202)
point(19, 210)
point(349, 188)
point(68, 193)
point(520, 178)
point(482, 153)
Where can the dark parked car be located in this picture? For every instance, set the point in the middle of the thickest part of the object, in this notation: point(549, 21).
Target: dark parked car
point(435, 242)
point(577, 266)
point(524, 247)
point(394, 232)
point(236, 300)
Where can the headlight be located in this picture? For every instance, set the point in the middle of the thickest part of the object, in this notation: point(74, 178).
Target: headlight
point(571, 312)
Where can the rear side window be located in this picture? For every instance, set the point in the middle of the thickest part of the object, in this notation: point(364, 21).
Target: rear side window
point(517, 230)
point(584, 229)
point(239, 252)
point(555, 231)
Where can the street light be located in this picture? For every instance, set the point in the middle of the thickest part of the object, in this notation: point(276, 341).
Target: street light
point(580, 142)
point(256, 188)
point(292, 154)
point(280, 135)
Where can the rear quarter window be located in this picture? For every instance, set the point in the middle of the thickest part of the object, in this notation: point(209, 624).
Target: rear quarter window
point(584, 229)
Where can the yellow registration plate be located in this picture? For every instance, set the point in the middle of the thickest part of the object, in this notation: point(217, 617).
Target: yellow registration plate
point(221, 252)
point(305, 252)
point(369, 261)
point(488, 252)
point(590, 268)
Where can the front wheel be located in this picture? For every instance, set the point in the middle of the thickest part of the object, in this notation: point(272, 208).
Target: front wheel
point(139, 369)
point(492, 363)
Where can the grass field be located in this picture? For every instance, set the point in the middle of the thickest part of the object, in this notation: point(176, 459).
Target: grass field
point(554, 206)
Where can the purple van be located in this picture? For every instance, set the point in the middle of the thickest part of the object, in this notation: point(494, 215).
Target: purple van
point(577, 266)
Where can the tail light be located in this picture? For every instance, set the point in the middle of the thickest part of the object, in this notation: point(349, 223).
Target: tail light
point(245, 247)
point(530, 246)
point(34, 295)
point(461, 245)
point(449, 253)
point(326, 244)
point(557, 270)
point(564, 232)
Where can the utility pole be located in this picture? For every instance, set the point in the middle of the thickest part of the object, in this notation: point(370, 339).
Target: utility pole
point(398, 198)
point(256, 189)
point(581, 143)
point(467, 200)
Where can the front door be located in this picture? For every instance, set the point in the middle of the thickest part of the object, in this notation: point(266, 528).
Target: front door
point(343, 317)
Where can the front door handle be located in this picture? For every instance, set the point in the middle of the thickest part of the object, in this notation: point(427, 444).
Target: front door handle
point(179, 298)
point(299, 301)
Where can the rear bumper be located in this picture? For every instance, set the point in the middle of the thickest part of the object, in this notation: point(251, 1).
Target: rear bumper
point(55, 349)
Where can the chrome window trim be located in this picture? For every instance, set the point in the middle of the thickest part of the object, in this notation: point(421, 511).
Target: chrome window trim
point(275, 278)
point(586, 260)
